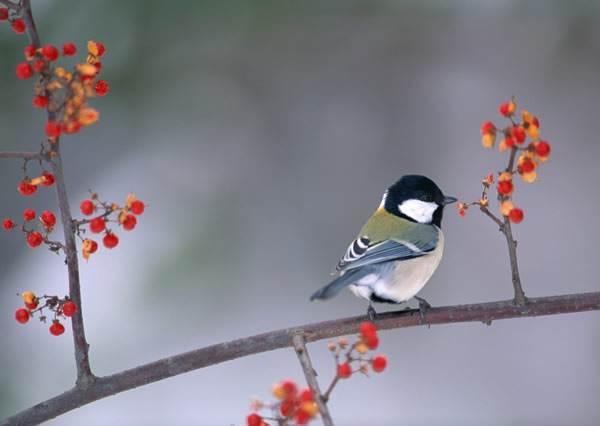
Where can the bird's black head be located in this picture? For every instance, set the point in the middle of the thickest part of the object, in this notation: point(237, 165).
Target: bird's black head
point(416, 198)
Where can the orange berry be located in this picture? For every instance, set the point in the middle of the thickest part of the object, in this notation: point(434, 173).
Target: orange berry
point(488, 140)
point(506, 207)
point(507, 108)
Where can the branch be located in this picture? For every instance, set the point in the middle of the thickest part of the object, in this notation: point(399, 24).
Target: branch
point(171, 366)
point(311, 376)
point(27, 156)
point(520, 298)
point(84, 372)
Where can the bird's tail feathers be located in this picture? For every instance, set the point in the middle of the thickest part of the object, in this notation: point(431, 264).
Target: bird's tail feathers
point(341, 282)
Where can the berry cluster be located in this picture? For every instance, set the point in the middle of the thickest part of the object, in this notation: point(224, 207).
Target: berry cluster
point(299, 407)
point(368, 340)
point(124, 216)
point(527, 153)
point(58, 307)
point(293, 405)
point(36, 232)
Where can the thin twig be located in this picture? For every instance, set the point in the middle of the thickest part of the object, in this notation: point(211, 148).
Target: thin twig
point(84, 372)
point(171, 366)
point(311, 376)
point(492, 216)
point(24, 155)
point(327, 393)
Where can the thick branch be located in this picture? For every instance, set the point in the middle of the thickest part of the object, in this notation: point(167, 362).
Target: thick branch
point(215, 354)
point(8, 4)
point(311, 376)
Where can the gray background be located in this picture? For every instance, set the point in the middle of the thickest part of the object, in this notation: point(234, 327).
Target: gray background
point(262, 135)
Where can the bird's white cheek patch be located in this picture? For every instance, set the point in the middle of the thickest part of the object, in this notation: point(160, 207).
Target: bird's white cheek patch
point(421, 211)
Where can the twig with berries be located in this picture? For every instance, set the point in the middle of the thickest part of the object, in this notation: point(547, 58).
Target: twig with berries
point(60, 308)
point(527, 157)
point(303, 407)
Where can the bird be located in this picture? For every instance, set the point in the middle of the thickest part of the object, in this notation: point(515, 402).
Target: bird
point(398, 249)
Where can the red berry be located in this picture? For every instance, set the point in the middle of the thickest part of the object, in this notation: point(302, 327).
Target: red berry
point(487, 127)
point(52, 129)
point(8, 224)
point(519, 134)
point(56, 329)
point(137, 207)
point(367, 329)
point(48, 219)
point(93, 246)
point(22, 315)
point(301, 417)
point(102, 87)
point(287, 408)
point(509, 141)
point(87, 207)
point(39, 65)
point(97, 225)
point(34, 239)
point(26, 189)
point(516, 215)
point(129, 222)
point(40, 101)
point(3, 14)
point(289, 388)
point(505, 187)
point(110, 240)
point(306, 395)
point(31, 306)
point(98, 66)
point(379, 363)
point(28, 215)
point(23, 71)
point(372, 342)
point(101, 48)
point(69, 49)
point(527, 166)
point(69, 308)
point(254, 420)
point(50, 52)
point(49, 178)
point(542, 148)
point(344, 370)
point(29, 52)
point(18, 26)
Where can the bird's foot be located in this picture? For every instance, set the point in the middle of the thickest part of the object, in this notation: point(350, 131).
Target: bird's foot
point(371, 313)
point(424, 306)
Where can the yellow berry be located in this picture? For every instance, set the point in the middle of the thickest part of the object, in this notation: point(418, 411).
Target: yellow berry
point(506, 207)
point(505, 176)
point(362, 348)
point(28, 297)
point(488, 140)
point(278, 391)
point(529, 177)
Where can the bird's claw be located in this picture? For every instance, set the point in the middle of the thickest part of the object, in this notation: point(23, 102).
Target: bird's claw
point(371, 313)
point(424, 306)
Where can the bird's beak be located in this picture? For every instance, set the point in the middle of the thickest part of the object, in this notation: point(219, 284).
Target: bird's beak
point(449, 200)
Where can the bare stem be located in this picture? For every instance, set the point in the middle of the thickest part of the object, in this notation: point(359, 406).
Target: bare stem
point(311, 376)
point(327, 393)
point(492, 216)
point(174, 365)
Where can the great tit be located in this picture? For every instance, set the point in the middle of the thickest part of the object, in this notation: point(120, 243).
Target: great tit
point(399, 248)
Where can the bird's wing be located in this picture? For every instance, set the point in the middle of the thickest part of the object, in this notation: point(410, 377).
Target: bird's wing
point(406, 240)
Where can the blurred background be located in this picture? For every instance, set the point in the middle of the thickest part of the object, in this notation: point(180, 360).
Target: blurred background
point(262, 135)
